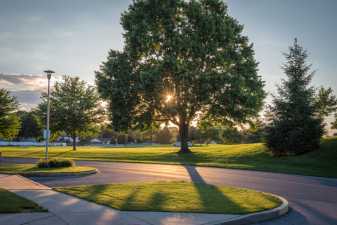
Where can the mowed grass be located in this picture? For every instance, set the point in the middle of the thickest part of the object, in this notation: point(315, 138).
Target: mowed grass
point(12, 203)
point(241, 156)
point(33, 169)
point(175, 197)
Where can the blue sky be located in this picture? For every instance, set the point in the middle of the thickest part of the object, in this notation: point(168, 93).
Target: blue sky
point(74, 36)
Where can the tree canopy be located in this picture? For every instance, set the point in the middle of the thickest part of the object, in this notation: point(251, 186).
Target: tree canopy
point(75, 108)
point(9, 122)
point(181, 60)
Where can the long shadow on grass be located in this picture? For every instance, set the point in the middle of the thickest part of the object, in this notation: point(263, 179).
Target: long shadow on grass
point(212, 198)
point(154, 203)
point(130, 199)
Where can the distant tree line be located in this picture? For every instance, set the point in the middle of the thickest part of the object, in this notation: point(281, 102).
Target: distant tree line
point(293, 123)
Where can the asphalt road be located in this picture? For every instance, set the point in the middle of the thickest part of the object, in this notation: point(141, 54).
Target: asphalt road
point(313, 200)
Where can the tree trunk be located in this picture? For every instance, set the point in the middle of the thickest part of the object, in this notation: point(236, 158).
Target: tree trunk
point(74, 142)
point(126, 138)
point(183, 133)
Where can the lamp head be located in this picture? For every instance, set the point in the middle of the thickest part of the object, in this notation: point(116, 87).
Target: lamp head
point(49, 73)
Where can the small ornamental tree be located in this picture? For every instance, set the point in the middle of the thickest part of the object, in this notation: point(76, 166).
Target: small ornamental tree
point(181, 59)
point(163, 136)
point(9, 122)
point(31, 125)
point(326, 102)
point(295, 127)
point(74, 108)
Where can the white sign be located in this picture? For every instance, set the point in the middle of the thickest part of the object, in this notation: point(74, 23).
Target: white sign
point(45, 133)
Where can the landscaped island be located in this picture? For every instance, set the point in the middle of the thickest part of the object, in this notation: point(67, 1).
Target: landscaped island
point(176, 197)
point(32, 169)
point(242, 156)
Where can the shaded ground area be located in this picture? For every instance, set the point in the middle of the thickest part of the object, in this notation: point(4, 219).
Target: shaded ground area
point(12, 203)
point(244, 156)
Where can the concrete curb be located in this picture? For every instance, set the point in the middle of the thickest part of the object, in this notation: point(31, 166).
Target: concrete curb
point(260, 216)
point(71, 174)
point(66, 174)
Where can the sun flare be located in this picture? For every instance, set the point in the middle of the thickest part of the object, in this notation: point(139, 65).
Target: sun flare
point(168, 98)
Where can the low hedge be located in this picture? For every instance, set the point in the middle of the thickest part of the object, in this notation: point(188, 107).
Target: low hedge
point(55, 163)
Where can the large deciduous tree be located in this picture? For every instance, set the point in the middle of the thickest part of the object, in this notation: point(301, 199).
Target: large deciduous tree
point(9, 122)
point(116, 83)
point(296, 126)
point(181, 59)
point(75, 108)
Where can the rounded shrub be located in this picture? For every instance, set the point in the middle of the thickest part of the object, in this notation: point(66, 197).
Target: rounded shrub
point(55, 163)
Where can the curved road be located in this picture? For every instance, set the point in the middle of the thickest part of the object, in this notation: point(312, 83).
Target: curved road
point(313, 200)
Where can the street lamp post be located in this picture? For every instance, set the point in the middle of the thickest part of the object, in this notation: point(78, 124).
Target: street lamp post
point(49, 73)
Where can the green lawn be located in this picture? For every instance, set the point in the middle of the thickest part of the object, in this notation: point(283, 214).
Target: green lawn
point(32, 169)
point(243, 156)
point(12, 203)
point(175, 197)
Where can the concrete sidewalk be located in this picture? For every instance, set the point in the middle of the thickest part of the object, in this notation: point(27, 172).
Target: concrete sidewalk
point(68, 210)
point(17, 182)
point(76, 211)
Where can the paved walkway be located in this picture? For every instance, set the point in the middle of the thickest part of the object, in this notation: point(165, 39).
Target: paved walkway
point(16, 182)
point(68, 210)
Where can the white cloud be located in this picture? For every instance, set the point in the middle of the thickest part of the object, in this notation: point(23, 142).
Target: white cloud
point(5, 83)
point(25, 82)
point(26, 88)
point(27, 99)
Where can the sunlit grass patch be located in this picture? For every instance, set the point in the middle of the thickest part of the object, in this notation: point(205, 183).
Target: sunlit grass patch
point(321, 162)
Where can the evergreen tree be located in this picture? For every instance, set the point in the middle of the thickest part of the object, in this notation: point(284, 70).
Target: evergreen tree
point(9, 122)
point(295, 127)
